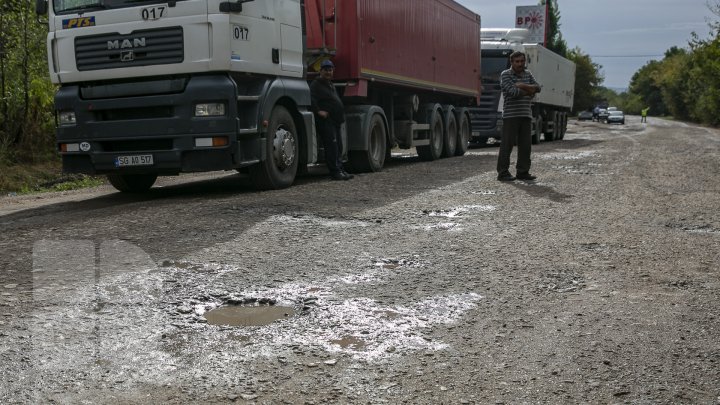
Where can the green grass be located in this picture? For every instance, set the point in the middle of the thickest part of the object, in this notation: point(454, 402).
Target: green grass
point(41, 178)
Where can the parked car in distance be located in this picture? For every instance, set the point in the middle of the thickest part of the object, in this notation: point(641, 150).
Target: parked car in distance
point(603, 115)
point(612, 109)
point(585, 116)
point(616, 116)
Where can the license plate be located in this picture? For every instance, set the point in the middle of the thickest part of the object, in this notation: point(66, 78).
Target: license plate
point(135, 160)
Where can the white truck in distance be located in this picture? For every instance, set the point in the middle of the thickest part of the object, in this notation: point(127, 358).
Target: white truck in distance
point(555, 74)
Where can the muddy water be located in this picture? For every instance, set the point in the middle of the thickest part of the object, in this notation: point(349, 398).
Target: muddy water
point(248, 316)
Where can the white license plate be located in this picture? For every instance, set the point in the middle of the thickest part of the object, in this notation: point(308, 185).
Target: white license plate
point(135, 160)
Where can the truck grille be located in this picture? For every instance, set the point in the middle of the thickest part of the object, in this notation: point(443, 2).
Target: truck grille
point(140, 48)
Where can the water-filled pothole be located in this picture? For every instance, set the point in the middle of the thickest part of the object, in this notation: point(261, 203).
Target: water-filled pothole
point(235, 315)
point(350, 342)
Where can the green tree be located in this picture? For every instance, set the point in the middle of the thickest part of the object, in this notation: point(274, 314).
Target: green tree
point(703, 81)
point(646, 91)
point(671, 78)
point(587, 80)
point(25, 92)
point(555, 41)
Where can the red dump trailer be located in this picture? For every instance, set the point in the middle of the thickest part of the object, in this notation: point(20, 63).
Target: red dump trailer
point(203, 85)
point(407, 71)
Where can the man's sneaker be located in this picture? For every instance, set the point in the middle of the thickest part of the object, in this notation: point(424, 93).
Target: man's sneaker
point(348, 175)
point(526, 176)
point(505, 177)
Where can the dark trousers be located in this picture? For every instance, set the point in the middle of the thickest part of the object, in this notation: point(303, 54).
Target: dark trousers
point(332, 143)
point(515, 130)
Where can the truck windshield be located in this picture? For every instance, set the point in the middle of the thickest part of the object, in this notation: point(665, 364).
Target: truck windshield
point(82, 6)
point(492, 67)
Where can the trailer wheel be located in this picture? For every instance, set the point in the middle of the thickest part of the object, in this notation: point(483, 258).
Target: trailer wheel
point(132, 183)
point(550, 135)
point(373, 159)
point(435, 149)
point(537, 133)
point(563, 126)
point(450, 132)
point(280, 165)
point(463, 138)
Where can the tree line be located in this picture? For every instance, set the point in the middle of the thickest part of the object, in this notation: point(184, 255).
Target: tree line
point(685, 84)
point(26, 94)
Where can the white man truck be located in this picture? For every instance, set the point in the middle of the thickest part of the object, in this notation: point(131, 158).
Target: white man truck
point(162, 87)
point(555, 74)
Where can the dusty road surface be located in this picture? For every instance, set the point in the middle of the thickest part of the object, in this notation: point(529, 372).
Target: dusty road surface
point(426, 283)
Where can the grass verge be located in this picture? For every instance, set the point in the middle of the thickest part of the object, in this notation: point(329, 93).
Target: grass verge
point(42, 177)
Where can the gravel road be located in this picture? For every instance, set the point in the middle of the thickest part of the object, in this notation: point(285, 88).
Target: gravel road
point(427, 283)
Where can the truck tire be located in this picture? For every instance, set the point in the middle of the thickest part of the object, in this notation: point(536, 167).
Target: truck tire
point(538, 130)
point(550, 135)
point(280, 165)
point(373, 159)
point(450, 131)
point(434, 150)
point(132, 183)
point(463, 138)
point(563, 125)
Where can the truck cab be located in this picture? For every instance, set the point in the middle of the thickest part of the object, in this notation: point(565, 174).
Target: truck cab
point(152, 87)
point(497, 45)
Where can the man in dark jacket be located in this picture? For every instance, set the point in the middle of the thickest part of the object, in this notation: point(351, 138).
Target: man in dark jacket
point(329, 116)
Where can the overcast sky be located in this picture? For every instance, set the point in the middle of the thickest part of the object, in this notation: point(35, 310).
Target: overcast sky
point(620, 35)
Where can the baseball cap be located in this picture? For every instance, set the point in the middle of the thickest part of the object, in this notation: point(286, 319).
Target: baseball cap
point(327, 64)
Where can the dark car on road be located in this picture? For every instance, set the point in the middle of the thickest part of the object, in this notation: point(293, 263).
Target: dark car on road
point(603, 115)
point(585, 116)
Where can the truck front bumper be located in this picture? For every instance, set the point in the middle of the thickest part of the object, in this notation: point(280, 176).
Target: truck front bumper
point(155, 118)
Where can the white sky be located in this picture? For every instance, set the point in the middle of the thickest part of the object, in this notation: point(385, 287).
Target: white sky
point(620, 35)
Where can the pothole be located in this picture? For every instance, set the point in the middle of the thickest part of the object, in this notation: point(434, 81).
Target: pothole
point(235, 315)
point(456, 212)
point(350, 342)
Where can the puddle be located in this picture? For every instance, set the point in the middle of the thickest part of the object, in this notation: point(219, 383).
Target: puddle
point(248, 316)
point(350, 342)
point(446, 226)
point(456, 212)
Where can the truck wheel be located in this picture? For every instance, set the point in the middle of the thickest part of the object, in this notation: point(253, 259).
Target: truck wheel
point(557, 128)
point(450, 132)
point(280, 165)
point(435, 149)
point(563, 124)
point(132, 183)
point(538, 130)
point(463, 138)
point(373, 159)
point(550, 135)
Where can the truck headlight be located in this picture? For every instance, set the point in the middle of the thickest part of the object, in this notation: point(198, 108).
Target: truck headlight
point(67, 117)
point(209, 109)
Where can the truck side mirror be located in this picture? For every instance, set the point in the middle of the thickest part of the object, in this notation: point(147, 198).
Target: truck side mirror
point(41, 7)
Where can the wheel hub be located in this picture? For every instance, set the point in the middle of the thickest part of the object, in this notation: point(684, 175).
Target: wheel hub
point(283, 148)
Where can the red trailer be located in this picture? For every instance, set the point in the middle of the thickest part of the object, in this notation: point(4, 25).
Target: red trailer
point(408, 69)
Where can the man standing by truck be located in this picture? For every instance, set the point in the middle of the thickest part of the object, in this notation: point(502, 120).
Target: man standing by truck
point(518, 88)
point(329, 116)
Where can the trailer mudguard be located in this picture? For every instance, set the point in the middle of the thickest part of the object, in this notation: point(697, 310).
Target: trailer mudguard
point(357, 122)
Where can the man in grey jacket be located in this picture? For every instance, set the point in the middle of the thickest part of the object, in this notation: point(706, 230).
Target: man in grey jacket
point(518, 88)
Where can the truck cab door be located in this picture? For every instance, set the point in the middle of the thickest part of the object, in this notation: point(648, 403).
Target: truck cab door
point(264, 37)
